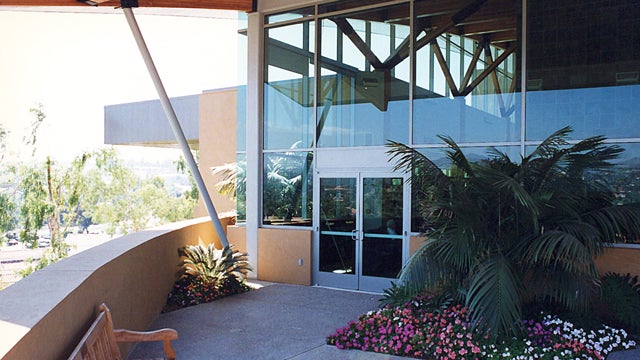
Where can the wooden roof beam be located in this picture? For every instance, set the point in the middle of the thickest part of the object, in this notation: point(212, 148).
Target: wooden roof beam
point(502, 24)
point(239, 5)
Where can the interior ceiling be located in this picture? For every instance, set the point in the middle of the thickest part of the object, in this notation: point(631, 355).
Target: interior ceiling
point(240, 5)
point(493, 21)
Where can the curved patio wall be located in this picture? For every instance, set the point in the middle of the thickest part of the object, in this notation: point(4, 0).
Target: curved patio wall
point(46, 314)
point(618, 258)
point(621, 259)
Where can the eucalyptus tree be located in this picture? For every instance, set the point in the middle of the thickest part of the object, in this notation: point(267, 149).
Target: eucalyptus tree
point(50, 194)
point(504, 234)
point(126, 203)
point(7, 206)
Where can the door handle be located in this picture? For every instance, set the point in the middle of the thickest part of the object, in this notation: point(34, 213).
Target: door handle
point(355, 234)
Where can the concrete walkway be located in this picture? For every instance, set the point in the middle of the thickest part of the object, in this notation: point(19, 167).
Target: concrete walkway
point(277, 321)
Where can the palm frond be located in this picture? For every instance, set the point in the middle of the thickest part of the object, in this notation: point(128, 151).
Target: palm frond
point(558, 249)
point(561, 289)
point(549, 146)
point(618, 223)
point(456, 247)
point(592, 154)
point(457, 156)
point(508, 185)
point(494, 295)
point(423, 271)
point(229, 173)
point(496, 154)
point(410, 160)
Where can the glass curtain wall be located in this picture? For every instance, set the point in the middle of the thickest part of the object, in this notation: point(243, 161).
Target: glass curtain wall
point(241, 123)
point(467, 82)
point(583, 63)
point(466, 72)
point(414, 70)
point(363, 92)
point(288, 121)
point(583, 66)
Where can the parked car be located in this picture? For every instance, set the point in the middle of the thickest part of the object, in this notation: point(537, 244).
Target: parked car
point(12, 242)
point(42, 242)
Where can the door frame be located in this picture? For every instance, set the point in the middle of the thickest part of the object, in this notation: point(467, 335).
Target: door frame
point(357, 281)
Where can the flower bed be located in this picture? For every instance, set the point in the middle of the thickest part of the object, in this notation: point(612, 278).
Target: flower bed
point(192, 290)
point(422, 331)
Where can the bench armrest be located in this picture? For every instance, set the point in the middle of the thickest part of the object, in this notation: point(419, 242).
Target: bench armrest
point(164, 335)
point(136, 336)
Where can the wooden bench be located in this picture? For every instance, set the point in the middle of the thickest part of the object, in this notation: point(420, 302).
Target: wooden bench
point(100, 341)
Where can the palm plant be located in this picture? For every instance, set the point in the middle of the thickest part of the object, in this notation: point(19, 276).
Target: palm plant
point(212, 264)
point(233, 178)
point(504, 234)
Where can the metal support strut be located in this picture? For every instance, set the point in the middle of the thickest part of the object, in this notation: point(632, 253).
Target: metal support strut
point(173, 121)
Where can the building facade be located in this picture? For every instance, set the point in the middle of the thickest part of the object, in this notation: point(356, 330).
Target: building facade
point(329, 84)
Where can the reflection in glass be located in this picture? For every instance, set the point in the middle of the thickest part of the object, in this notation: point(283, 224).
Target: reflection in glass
point(419, 189)
point(364, 86)
point(338, 199)
point(241, 187)
point(288, 87)
point(287, 189)
point(466, 82)
point(382, 224)
point(241, 118)
point(289, 15)
point(625, 177)
point(583, 64)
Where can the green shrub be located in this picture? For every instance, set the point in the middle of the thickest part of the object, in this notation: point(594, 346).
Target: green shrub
point(502, 232)
point(207, 274)
point(192, 290)
point(619, 303)
point(213, 264)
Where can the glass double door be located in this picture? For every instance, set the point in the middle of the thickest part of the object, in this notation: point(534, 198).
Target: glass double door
point(360, 232)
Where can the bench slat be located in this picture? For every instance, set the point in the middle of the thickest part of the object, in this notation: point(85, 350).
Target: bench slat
point(100, 341)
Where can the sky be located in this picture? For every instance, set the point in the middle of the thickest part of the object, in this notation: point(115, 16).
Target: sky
point(76, 63)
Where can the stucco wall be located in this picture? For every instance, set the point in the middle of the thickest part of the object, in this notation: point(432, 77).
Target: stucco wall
point(415, 242)
point(621, 259)
point(217, 142)
point(237, 235)
point(44, 315)
point(284, 255)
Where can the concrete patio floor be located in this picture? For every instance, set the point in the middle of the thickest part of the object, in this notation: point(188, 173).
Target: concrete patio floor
point(277, 321)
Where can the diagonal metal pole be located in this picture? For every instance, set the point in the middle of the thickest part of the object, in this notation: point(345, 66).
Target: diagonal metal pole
point(175, 125)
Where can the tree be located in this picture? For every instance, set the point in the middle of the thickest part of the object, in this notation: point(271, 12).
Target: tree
point(39, 114)
point(7, 206)
point(126, 203)
point(3, 142)
point(506, 234)
point(181, 167)
point(50, 195)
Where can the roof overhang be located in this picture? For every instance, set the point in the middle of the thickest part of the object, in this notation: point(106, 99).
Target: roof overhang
point(239, 5)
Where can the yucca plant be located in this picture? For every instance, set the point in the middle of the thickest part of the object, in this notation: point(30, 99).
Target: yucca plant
point(504, 233)
point(211, 264)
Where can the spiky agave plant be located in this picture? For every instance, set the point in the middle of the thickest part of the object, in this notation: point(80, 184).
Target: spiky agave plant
point(506, 233)
point(212, 264)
